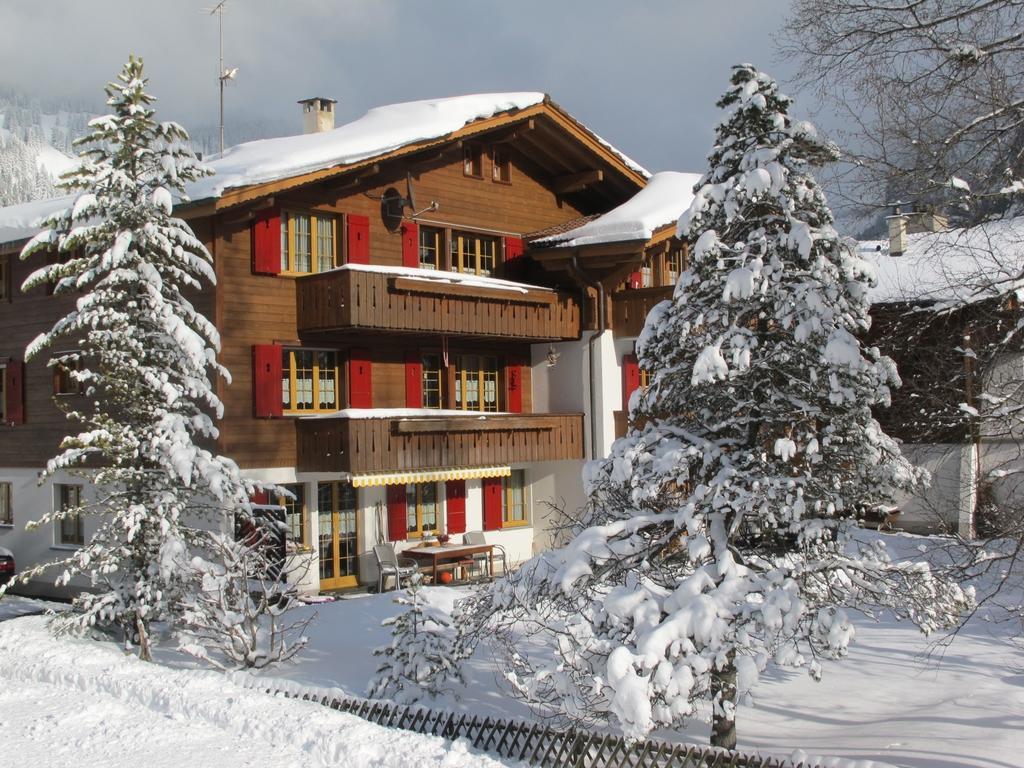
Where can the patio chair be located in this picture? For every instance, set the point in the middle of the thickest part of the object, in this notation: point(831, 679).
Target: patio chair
point(390, 564)
point(476, 538)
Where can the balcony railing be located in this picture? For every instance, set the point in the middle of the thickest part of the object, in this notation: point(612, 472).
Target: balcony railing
point(401, 443)
point(630, 308)
point(351, 299)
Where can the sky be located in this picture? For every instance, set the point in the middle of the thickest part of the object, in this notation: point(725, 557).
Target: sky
point(644, 74)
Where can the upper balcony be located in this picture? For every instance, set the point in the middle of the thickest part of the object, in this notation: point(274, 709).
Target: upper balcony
point(630, 308)
point(389, 443)
point(399, 300)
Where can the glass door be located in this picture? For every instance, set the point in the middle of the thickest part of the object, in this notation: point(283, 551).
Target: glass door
point(338, 539)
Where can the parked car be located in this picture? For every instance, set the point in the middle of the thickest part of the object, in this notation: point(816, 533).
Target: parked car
point(6, 565)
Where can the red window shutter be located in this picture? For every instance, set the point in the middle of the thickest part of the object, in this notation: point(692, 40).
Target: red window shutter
point(455, 503)
point(396, 513)
point(410, 244)
point(514, 265)
point(260, 497)
point(630, 379)
point(636, 279)
point(358, 239)
point(492, 503)
point(266, 242)
point(413, 379)
point(14, 391)
point(360, 379)
point(266, 381)
point(514, 384)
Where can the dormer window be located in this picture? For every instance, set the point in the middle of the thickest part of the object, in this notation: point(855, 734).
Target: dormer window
point(501, 170)
point(473, 161)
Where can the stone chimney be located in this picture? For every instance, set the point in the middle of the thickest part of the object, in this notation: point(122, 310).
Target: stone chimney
point(903, 224)
point(317, 114)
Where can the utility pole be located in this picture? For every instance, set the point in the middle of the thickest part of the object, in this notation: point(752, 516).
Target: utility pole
point(223, 75)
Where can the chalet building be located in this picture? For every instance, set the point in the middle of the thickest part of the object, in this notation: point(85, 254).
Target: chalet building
point(631, 259)
point(399, 362)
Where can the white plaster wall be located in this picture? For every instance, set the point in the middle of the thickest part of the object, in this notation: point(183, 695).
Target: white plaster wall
point(559, 483)
point(29, 501)
point(938, 507)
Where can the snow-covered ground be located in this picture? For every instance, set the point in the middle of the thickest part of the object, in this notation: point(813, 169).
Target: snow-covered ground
point(897, 700)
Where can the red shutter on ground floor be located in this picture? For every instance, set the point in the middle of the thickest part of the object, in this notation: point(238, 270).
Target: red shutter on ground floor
point(360, 379)
point(630, 379)
point(455, 506)
point(396, 513)
point(358, 239)
point(266, 381)
point(14, 391)
point(266, 242)
point(492, 503)
point(514, 264)
point(413, 379)
point(410, 244)
point(514, 384)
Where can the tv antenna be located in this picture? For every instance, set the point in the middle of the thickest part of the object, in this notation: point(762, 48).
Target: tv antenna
point(223, 75)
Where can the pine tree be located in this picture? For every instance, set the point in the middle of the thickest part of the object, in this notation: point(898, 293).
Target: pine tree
point(418, 660)
point(143, 360)
point(722, 535)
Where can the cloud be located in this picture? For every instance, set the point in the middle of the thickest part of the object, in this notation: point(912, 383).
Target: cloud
point(645, 75)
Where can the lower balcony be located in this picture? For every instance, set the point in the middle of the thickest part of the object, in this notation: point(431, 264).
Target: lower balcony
point(389, 443)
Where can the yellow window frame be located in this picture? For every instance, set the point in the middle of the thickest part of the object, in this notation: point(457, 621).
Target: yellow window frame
point(317, 369)
point(469, 260)
point(414, 503)
point(481, 373)
point(288, 252)
point(509, 485)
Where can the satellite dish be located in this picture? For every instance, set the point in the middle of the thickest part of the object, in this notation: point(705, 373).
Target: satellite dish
point(410, 199)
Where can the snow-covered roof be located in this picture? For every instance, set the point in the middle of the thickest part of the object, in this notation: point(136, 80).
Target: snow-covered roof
point(658, 204)
point(954, 266)
point(19, 222)
point(381, 130)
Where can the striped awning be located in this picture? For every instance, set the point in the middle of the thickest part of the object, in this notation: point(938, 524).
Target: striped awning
point(427, 476)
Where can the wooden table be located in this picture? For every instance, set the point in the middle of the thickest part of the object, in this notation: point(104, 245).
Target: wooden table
point(439, 554)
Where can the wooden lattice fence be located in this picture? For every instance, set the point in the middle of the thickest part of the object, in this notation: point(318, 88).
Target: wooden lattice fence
point(539, 745)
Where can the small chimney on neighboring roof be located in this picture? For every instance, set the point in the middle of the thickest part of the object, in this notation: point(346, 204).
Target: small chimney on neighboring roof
point(903, 224)
point(317, 114)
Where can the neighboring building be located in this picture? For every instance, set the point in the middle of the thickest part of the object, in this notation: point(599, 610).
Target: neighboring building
point(387, 336)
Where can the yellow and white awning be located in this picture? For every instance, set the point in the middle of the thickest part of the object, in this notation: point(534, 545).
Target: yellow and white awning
point(371, 479)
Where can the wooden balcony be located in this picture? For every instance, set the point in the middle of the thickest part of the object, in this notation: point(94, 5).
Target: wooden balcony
point(428, 442)
point(358, 300)
point(630, 308)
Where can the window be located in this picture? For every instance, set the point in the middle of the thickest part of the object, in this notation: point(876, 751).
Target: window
point(476, 383)
point(309, 380)
point(431, 386)
point(513, 499)
point(70, 530)
point(473, 161)
point(431, 247)
point(421, 509)
point(63, 382)
point(307, 242)
point(647, 273)
point(674, 265)
point(645, 379)
point(502, 168)
point(3, 394)
point(295, 512)
point(475, 254)
point(6, 512)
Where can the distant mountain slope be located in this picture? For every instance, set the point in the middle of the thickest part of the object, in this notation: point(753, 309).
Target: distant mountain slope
point(37, 142)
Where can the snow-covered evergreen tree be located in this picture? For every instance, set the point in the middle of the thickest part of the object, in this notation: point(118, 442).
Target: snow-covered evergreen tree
point(143, 358)
point(418, 659)
point(723, 536)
